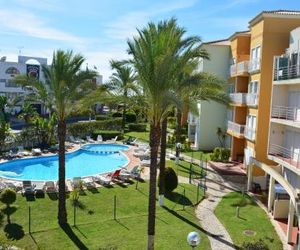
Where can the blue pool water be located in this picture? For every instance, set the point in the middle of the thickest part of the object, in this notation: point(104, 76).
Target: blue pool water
point(90, 160)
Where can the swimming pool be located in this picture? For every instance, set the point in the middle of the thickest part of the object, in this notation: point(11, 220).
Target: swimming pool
point(89, 160)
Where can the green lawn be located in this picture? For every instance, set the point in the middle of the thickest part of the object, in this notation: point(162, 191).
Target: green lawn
point(183, 168)
point(96, 228)
point(252, 217)
point(142, 136)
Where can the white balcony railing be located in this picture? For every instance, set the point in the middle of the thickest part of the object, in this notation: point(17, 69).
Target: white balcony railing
point(250, 133)
point(242, 67)
point(252, 99)
point(291, 71)
point(236, 128)
point(292, 157)
point(233, 69)
point(286, 113)
point(254, 65)
point(238, 98)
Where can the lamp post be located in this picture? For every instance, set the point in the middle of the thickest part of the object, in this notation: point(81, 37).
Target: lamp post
point(193, 239)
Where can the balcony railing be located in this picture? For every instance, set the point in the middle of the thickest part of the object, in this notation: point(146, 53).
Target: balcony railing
point(284, 154)
point(242, 67)
point(239, 68)
point(236, 128)
point(285, 69)
point(238, 98)
point(252, 99)
point(250, 133)
point(286, 113)
point(254, 65)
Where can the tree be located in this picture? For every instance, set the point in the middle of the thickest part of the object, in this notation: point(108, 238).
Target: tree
point(4, 121)
point(121, 83)
point(64, 83)
point(154, 55)
point(8, 197)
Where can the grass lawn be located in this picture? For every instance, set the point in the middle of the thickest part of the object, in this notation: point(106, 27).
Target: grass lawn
point(252, 217)
point(142, 136)
point(183, 168)
point(96, 228)
point(198, 155)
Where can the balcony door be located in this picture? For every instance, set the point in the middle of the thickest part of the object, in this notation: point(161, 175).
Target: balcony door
point(292, 144)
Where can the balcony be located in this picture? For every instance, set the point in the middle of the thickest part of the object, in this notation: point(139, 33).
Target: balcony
point(239, 69)
point(238, 98)
point(252, 100)
point(284, 69)
point(250, 133)
point(286, 113)
point(235, 129)
point(254, 65)
point(284, 156)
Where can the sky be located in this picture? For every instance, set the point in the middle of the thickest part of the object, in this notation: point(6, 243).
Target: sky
point(99, 29)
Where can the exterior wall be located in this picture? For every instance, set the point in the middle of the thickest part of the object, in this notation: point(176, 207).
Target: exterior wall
point(273, 36)
point(211, 114)
point(294, 40)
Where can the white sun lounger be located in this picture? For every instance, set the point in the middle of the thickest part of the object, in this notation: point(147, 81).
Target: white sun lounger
point(89, 139)
point(50, 187)
point(103, 180)
point(99, 138)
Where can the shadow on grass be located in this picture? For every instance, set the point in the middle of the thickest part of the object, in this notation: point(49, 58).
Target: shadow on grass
point(14, 231)
point(178, 199)
point(121, 224)
point(30, 197)
point(108, 186)
point(52, 196)
point(196, 226)
point(8, 211)
point(93, 190)
point(72, 236)
point(243, 202)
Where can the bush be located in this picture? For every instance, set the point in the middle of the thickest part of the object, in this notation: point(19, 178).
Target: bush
point(86, 128)
point(117, 114)
point(138, 127)
point(171, 180)
point(8, 197)
point(130, 117)
point(107, 134)
point(172, 122)
point(102, 117)
point(257, 245)
point(220, 154)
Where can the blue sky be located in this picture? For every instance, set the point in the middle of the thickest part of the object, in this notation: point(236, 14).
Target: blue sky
point(99, 29)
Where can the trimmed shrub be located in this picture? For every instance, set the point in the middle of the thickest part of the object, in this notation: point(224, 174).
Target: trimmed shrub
point(138, 127)
point(220, 154)
point(171, 180)
point(8, 197)
point(130, 117)
point(87, 128)
point(117, 114)
point(107, 134)
point(102, 117)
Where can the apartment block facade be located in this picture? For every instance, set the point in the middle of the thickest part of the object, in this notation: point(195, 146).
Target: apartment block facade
point(265, 107)
point(202, 126)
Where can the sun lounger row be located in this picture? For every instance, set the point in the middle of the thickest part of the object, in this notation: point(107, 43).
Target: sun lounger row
point(90, 140)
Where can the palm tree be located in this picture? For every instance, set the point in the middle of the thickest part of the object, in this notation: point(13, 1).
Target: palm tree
point(121, 83)
point(63, 83)
point(155, 52)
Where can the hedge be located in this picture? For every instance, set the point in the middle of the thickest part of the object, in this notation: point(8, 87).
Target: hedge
point(102, 117)
point(220, 154)
point(117, 114)
point(86, 128)
point(107, 134)
point(138, 127)
point(130, 117)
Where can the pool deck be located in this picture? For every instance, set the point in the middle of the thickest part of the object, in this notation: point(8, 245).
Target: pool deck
point(133, 161)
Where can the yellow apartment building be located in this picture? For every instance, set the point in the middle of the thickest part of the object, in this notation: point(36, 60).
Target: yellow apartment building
point(256, 139)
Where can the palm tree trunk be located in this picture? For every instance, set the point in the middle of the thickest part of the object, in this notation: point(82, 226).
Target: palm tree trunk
point(163, 144)
point(155, 133)
point(124, 118)
point(62, 211)
point(178, 134)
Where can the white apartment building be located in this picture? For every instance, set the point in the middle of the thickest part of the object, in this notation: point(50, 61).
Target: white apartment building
point(203, 125)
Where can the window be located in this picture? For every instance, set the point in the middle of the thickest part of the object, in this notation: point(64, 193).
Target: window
point(253, 87)
point(255, 59)
point(251, 121)
point(12, 71)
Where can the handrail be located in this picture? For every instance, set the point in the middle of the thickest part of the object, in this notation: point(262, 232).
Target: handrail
point(286, 113)
point(254, 64)
point(250, 133)
point(242, 67)
point(286, 72)
point(238, 98)
point(290, 156)
point(252, 99)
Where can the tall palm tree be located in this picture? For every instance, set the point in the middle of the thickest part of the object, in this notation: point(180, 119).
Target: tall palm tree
point(122, 82)
point(155, 53)
point(63, 82)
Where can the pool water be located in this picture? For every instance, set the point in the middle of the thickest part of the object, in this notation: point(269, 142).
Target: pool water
point(81, 163)
point(99, 148)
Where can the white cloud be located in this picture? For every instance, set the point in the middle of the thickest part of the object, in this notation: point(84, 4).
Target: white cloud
point(25, 23)
point(125, 26)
